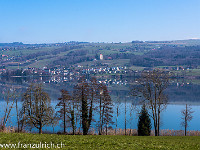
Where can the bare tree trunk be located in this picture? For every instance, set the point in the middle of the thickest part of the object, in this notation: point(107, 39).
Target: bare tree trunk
point(159, 121)
point(80, 127)
point(156, 113)
point(154, 119)
point(186, 120)
point(23, 119)
point(102, 121)
point(185, 131)
point(73, 121)
point(116, 120)
point(17, 116)
point(125, 116)
point(100, 116)
point(90, 111)
point(106, 128)
point(40, 130)
point(117, 114)
point(40, 126)
point(84, 113)
point(64, 120)
point(7, 113)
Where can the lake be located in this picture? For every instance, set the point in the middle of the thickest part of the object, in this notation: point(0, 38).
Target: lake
point(180, 92)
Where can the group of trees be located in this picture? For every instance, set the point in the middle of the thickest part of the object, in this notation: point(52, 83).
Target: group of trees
point(87, 98)
point(76, 108)
point(17, 72)
point(169, 56)
point(151, 87)
point(28, 56)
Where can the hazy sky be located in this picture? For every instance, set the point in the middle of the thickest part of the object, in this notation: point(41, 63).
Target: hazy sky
point(46, 21)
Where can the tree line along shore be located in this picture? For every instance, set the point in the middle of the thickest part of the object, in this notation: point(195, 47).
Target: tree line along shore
point(76, 109)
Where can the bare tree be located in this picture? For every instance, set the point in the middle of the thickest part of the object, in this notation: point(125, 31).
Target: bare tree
point(17, 109)
point(68, 111)
point(54, 121)
point(36, 108)
point(187, 117)
point(125, 116)
point(117, 113)
point(151, 87)
point(100, 110)
point(105, 109)
point(10, 99)
point(132, 109)
point(62, 104)
point(17, 113)
point(74, 113)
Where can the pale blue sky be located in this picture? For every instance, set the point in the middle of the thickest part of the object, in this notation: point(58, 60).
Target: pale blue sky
point(46, 21)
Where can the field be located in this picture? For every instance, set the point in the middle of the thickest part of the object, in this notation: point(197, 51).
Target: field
point(136, 56)
point(191, 72)
point(103, 142)
point(27, 51)
point(110, 63)
point(46, 59)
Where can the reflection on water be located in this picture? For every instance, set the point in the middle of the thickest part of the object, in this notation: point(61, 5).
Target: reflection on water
point(179, 93)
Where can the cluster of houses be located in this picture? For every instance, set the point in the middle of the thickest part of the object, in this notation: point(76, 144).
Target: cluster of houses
point(69, 72)
point(177, 68)
point(78, 71)
point(106, 70)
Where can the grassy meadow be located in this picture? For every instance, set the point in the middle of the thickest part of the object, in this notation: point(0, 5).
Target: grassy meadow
point(104, 142)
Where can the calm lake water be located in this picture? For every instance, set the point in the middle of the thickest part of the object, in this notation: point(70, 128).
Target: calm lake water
point(180, 92)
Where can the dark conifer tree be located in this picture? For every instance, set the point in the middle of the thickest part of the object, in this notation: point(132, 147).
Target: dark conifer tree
point(144, 123)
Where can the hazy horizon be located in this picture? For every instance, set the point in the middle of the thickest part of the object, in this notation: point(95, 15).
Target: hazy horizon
point(103, 42)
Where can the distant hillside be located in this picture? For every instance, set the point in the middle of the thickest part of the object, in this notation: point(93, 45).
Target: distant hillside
point(136, 53)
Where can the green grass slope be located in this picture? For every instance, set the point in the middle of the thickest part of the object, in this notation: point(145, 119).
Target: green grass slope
point(103, 142)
